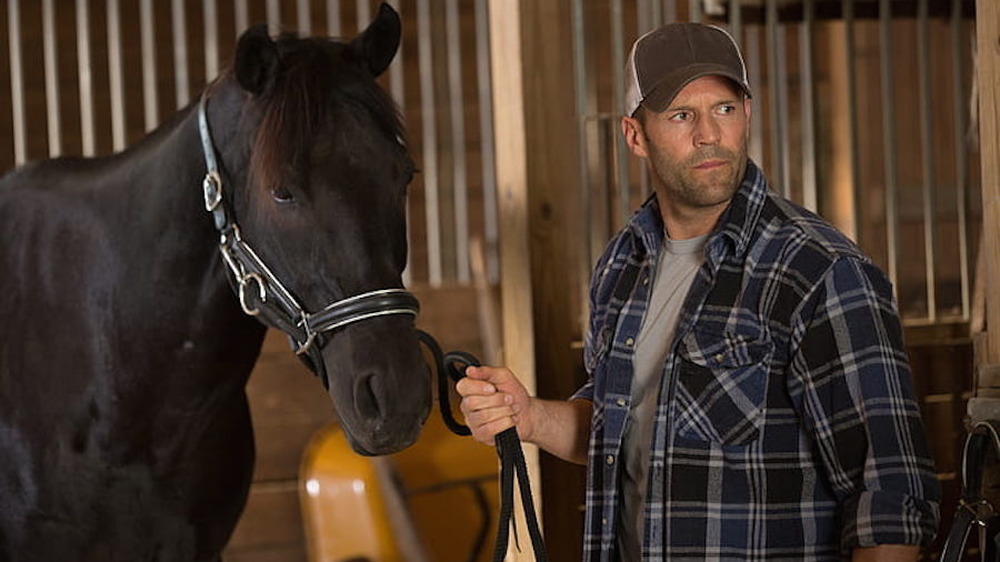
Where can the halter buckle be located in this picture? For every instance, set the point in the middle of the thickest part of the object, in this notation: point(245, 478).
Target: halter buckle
point(212, 188)
point(261, 292)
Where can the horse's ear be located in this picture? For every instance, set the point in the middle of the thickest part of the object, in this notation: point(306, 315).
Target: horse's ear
point(377, 44)
point(256, 59)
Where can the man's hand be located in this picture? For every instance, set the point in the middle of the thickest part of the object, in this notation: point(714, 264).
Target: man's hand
point(493, 399)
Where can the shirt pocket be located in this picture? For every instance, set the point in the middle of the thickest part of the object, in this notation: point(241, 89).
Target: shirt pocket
point(721, 387)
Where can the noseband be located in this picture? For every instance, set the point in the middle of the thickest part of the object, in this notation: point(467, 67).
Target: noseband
point(263, 295)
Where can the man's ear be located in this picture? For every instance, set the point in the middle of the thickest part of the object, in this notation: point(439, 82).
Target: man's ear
point(635, 136)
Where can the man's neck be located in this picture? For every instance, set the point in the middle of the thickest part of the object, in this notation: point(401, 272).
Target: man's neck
point(685, 223)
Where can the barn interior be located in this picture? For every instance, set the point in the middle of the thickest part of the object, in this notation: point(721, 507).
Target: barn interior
point(868, 112)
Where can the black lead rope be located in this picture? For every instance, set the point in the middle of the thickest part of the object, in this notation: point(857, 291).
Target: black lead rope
point(452, 366)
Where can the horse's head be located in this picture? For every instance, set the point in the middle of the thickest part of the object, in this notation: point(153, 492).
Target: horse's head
point(324, 207)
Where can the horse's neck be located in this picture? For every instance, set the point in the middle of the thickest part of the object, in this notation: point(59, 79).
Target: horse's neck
point(170, 243)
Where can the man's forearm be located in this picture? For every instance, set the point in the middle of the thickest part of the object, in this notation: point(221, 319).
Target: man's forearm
point(562, 428)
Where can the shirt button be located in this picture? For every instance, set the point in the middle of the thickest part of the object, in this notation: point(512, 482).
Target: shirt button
point(645, 281)
point(610, 459)
point(630, 342)
point(604, 521)
point(620, 402)
point(719, 357)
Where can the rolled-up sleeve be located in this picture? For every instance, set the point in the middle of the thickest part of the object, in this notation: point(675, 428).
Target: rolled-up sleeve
point(859, 405)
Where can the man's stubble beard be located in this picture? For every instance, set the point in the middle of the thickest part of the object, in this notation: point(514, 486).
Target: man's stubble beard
point(687, 187)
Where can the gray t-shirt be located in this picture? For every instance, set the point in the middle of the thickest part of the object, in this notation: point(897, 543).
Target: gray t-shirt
point(676, 267)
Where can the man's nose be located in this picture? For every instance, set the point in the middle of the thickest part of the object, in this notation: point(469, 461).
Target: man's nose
point(706, 131)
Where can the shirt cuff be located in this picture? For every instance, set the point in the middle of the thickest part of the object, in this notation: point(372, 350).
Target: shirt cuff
point(875, 517)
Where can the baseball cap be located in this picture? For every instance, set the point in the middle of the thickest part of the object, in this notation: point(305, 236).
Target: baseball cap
point(665, 59)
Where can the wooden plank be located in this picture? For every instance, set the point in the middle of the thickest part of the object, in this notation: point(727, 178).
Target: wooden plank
point(988, 80)
point(988, 376)
point(506, 59)
point(555, 227)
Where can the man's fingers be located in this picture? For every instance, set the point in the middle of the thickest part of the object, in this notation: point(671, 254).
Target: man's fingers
point(471, 387)
point(477, 402)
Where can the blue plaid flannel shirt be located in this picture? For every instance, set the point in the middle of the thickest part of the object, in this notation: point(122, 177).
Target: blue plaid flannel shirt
point(787, 427)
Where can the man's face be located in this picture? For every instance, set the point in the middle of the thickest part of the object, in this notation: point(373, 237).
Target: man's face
point(697, 147)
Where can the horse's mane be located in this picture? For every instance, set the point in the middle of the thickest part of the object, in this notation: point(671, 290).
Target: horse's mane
point(295, 107)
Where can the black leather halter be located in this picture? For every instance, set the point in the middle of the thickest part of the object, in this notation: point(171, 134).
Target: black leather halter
point(263, 295)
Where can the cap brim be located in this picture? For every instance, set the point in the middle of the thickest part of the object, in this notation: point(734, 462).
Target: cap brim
point(664, 93)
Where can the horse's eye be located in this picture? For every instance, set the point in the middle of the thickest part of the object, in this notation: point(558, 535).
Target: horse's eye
point(282, 195)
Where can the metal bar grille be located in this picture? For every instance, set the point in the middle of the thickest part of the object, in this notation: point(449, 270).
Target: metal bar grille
point(106, 104)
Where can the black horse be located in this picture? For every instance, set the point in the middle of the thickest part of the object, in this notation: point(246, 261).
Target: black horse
point(124, 428)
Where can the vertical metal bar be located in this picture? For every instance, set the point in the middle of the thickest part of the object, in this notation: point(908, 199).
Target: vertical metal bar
point(150, 97)
point(618, 87)
point(429, 129)
point(889, 140)
point(807, 85)
point(303, 21)
point(961, 165)
point(52, 106)
point(364, 14)
point(644, 22)
point(484, 80)
point(457, 105)
point(211, 40)
point(273, 11)
point(182, 87)
point(333, 18)
point(670, 11)
point(751, 54)
point(115, 86)
point(736, 20)
point(656, 13)
point(927, 156)
point(694, 12)
point(781, 56)
point(642, 16)
point(242, 15)
point(16, 81)
point(580, 96)
point(774, 79)
point(396, 83)
point(852, 116)
point(88, 142)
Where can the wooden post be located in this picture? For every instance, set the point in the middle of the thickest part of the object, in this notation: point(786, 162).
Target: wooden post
point(986, 403)
point(537, 175)
point(512, 192)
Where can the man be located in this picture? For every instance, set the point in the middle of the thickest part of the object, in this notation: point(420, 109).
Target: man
point(749, 393)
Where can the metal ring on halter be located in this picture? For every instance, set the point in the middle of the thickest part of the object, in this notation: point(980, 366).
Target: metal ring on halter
point(261, 291)
point(304, 348)
point(212, 188)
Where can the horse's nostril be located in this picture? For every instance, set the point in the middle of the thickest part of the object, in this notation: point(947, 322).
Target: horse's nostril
point(366, 399)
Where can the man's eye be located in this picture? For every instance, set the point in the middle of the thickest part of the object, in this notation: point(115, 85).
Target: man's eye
point(680, 116)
